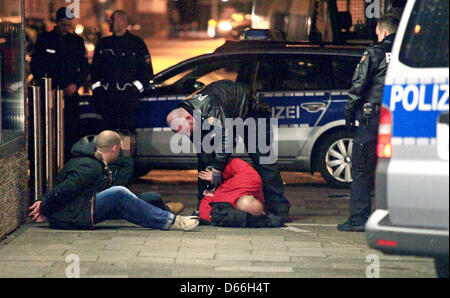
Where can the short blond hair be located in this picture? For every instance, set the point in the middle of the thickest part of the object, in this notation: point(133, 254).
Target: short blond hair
point(106, 140)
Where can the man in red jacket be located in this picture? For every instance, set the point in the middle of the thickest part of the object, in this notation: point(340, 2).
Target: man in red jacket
point(242, 189)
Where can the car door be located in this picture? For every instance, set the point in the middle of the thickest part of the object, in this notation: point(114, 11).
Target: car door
point(153, 134)
point(297, 89)
point(343, 68)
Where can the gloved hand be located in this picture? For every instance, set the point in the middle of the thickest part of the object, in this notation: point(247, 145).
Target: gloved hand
point(349, 119)
point(217, 178)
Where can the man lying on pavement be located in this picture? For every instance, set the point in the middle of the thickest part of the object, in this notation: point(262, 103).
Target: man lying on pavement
point(238, 201)
point(83, 194)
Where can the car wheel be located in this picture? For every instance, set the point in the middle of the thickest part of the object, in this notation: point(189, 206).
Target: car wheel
point(335, 163)
point(441, 265)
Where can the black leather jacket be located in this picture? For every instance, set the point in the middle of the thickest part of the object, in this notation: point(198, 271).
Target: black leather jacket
point(121, 61)
point(218, 101)
point(368, 80)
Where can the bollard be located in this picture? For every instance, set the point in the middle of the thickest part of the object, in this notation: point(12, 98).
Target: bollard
point(60, 129)
point(37, 142)
point(49, 137)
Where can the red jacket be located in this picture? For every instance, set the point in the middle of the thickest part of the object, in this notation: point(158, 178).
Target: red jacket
point(240, 179)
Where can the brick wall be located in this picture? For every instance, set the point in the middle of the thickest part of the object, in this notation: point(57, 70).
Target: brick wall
point(14, 193)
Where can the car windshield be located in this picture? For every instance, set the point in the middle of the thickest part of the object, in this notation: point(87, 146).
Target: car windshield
point(205, 72)
point(426, 38)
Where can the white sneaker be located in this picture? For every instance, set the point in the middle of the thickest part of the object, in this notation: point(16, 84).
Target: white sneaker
point(184, 223)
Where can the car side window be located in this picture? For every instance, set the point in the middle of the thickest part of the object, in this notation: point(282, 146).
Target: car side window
point(343, 70)
point(207, 72)
point(291, 74)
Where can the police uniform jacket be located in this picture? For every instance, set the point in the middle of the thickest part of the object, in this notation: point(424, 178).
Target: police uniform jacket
point(368, 79)
point(63, 58)
point(121, 62)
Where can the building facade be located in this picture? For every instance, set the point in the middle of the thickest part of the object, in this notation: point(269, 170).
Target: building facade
point(14, 164)
point(320, 20)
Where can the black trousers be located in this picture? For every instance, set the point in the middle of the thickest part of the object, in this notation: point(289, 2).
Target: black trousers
point(274, 200)
point(364, 162)
point(118, 109)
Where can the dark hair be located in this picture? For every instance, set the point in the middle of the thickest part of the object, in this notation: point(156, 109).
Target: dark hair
point(389, 22)
point(62, 14)
point(121, 13)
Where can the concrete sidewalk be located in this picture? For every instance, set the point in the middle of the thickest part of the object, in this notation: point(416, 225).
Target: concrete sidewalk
point(308, 247)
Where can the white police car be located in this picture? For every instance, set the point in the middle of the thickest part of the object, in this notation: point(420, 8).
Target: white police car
point(412, 181)
point(306, 85)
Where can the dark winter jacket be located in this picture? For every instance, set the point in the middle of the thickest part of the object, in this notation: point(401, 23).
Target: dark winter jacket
point(224, 215)
point(70, 204)
point(368, 80)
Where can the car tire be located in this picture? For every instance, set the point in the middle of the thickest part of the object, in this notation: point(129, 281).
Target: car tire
point(335, 159)
point(441, 265)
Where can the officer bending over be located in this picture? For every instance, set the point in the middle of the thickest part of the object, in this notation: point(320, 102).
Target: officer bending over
point(365, 97)
point(216, 103)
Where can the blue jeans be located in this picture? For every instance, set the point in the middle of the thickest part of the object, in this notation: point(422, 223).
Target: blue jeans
point(118, 202)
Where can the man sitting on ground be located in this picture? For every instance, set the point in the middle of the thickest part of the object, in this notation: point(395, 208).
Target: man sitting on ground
point(123, 169)
point(238, 201)
point(83, 196)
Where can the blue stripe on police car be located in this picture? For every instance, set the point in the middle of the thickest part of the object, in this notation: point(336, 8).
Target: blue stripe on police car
point(416, 108)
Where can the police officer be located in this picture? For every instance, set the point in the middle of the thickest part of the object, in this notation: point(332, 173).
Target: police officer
point(61, 56)
point(365, 97)
point(121, 70)
point(215, 103)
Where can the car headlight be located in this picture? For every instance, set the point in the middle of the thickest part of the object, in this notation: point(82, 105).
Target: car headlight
point(225, 26)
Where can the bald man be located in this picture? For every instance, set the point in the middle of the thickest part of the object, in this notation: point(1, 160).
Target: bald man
point(84, 196)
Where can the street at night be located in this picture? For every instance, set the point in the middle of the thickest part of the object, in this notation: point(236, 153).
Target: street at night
point(308, 247)
point(229, 147)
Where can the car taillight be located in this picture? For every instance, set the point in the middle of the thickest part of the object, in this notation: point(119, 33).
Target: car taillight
point(384, 149)
point(387, 243)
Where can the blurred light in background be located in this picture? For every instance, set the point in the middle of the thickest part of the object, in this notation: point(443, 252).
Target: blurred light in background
point(212, 28)
point(417, 29)
point(237, 17)
point(90, 47)
point(79, 29)
point(225, 26)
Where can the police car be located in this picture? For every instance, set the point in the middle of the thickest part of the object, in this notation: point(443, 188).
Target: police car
point(305, 84)
point(412, 180)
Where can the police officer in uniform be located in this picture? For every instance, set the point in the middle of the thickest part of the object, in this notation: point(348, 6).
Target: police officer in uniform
point(121, 71)
point(215, 103)
point(61, 55)
point(364, 102)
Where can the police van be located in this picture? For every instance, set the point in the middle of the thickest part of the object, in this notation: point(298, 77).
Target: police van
point(412, 179)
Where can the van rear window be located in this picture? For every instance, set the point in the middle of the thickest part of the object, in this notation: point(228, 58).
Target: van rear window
point(425, 43)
